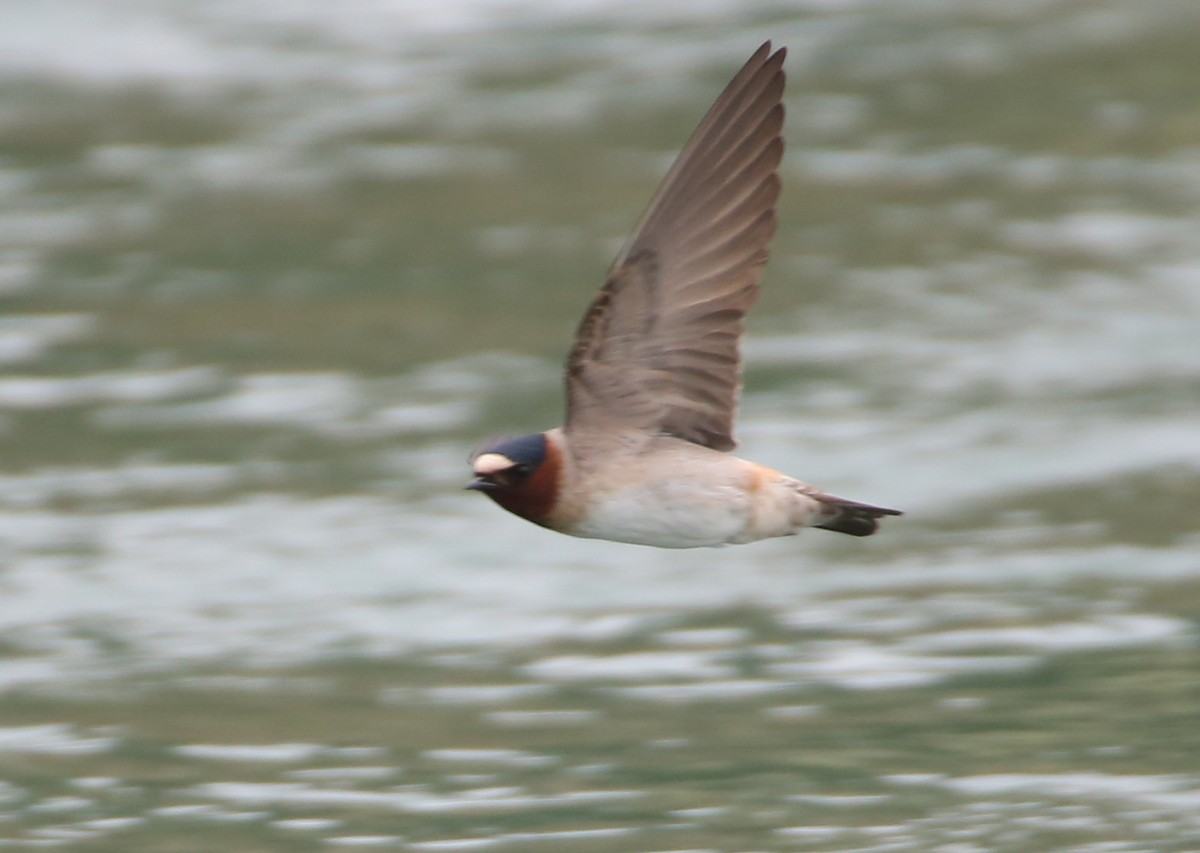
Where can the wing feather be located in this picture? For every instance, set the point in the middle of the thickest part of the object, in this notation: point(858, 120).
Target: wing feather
point(658, 349)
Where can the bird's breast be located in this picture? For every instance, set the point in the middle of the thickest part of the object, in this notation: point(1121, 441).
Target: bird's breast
point(667, 515)
point(687, 500)
point(702, 500)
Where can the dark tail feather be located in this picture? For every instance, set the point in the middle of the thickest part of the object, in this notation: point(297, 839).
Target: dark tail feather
point(850, 517)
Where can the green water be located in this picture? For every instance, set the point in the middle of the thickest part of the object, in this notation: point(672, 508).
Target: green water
point(419, 751)
point(266, 277)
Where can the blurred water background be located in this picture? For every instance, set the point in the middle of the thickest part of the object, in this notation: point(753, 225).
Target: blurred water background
point(268, 271)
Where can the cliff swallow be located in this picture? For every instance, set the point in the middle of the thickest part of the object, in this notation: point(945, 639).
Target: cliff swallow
point(653, 377)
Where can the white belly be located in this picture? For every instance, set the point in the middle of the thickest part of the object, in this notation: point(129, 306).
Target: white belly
point(675, 514)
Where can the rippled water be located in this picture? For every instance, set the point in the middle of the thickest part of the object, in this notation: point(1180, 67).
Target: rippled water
point(269, 271)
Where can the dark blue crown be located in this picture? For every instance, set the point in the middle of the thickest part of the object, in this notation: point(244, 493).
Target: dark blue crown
point(523, 450)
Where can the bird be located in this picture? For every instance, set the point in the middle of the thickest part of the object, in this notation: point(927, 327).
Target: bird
point(654, 374)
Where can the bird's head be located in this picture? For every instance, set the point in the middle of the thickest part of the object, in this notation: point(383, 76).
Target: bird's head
point(520, 474)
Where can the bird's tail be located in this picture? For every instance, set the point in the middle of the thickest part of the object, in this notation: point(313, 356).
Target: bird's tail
point(850, 517)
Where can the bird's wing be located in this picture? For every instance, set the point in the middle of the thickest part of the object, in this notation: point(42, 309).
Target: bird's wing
point(658, 350)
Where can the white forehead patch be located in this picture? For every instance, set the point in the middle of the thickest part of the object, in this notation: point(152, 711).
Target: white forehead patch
point(492, 463)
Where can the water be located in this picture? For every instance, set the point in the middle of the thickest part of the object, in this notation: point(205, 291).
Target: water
point(268, 272)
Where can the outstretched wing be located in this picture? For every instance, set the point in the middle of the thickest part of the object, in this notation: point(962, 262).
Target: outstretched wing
point(658, 350)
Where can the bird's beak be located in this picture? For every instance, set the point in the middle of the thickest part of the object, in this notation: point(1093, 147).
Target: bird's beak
point(481, 485)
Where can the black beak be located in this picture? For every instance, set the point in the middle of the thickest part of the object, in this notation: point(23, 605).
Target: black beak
point(481, 485)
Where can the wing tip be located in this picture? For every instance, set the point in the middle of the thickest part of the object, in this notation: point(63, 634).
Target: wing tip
point(764, 50)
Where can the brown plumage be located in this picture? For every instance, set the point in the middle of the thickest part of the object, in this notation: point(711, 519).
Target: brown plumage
point(658, 349)
point(653, 378)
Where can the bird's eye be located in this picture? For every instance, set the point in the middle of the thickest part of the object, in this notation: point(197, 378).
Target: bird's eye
point(522, 470)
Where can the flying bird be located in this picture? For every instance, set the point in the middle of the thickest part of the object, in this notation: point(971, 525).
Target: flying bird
point(653, 377)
